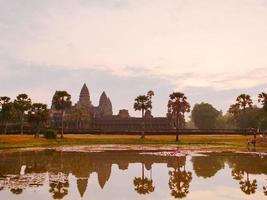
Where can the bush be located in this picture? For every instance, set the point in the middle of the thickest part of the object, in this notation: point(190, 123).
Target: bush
point(42, 131)
point(50, 134)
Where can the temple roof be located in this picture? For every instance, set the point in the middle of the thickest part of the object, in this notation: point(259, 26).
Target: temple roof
point(84, 99)
point(103, 99)
point(84, 90)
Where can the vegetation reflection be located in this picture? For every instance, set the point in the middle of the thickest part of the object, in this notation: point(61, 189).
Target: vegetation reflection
point(59, 185)
point(179, 179)
point(28, 170)
point(143, 185)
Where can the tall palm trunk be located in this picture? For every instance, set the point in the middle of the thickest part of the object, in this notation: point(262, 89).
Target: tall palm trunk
point(37, 132)
point(143, 125)
point(77, 124)
point(2, 127)
point(5, 128)
point(62, 124)
point(143, 171)
point(21, 123)
point(177, 128)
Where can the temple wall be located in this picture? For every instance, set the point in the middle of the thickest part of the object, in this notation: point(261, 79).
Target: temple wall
point(131, 124)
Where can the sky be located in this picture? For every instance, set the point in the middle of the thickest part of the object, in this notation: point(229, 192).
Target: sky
point(211, 50)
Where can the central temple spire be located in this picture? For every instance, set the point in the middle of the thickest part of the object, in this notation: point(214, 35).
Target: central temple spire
point(84, 98)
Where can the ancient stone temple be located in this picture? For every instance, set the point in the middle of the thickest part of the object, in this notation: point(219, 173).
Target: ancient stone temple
point(84, 98)
point(85, 116)
point(103, 109)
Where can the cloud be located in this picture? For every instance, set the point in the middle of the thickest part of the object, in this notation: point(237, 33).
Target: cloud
point(214, 46)
point(210, 39)
point(40, 82)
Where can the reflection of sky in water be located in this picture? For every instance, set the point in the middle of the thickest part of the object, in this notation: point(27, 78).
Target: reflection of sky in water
point(119, 186)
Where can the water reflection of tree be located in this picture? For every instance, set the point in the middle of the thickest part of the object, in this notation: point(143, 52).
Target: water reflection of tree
point(16, 190)
point(237, 174)
point(246, 165)
point(143, 185)
point(59, 185)
point(180, 179)
point(265, 189)
point(246, 185)
point(207, 166)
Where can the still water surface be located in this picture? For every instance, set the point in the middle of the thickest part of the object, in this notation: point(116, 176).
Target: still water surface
point(51, 174)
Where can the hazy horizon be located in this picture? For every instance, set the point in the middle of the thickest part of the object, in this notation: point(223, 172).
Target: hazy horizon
point(210, 50)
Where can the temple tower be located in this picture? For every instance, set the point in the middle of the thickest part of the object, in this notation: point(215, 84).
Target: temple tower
point(84, 98)
point(105, 106)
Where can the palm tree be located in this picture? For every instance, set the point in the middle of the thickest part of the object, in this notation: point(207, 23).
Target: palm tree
point(142, 184)
point(6, 111)
point(38, 115)
point(244, 101)
point(177, 107)
point(143, 103)
point(22, 104)
point(150, 93)
point(62, 102)
point(234, 110)
point(262, 98)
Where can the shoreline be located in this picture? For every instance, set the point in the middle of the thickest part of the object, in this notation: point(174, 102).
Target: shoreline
point(122, 142)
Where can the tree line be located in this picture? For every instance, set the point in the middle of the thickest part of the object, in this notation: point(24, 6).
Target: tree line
point(242, 114)
point(37, 114)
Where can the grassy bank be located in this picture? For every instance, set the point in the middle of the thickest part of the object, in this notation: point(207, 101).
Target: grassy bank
point(224, 142)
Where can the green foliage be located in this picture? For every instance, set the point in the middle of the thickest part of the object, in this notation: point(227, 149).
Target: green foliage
point(205, 116)
point(79, 115)
point(225, 122)
point(244, 101)
point(143, 185)
point(245, 115)
point(62, 100)
point(6, 108)
point(177, 107)
point(262, 119)
point(234, 110)
point(179, 183)
point(263, 100)
point(42, 130)
point(249, 117)
point(207, 166)
point(38, 115)
point(50, 134)
point(22, 104)
point(6, 111)
point(143, 103)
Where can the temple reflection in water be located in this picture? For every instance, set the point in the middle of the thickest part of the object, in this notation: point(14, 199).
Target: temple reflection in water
point(52, 169)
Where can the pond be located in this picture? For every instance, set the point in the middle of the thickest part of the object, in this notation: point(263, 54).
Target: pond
point(52, 174)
